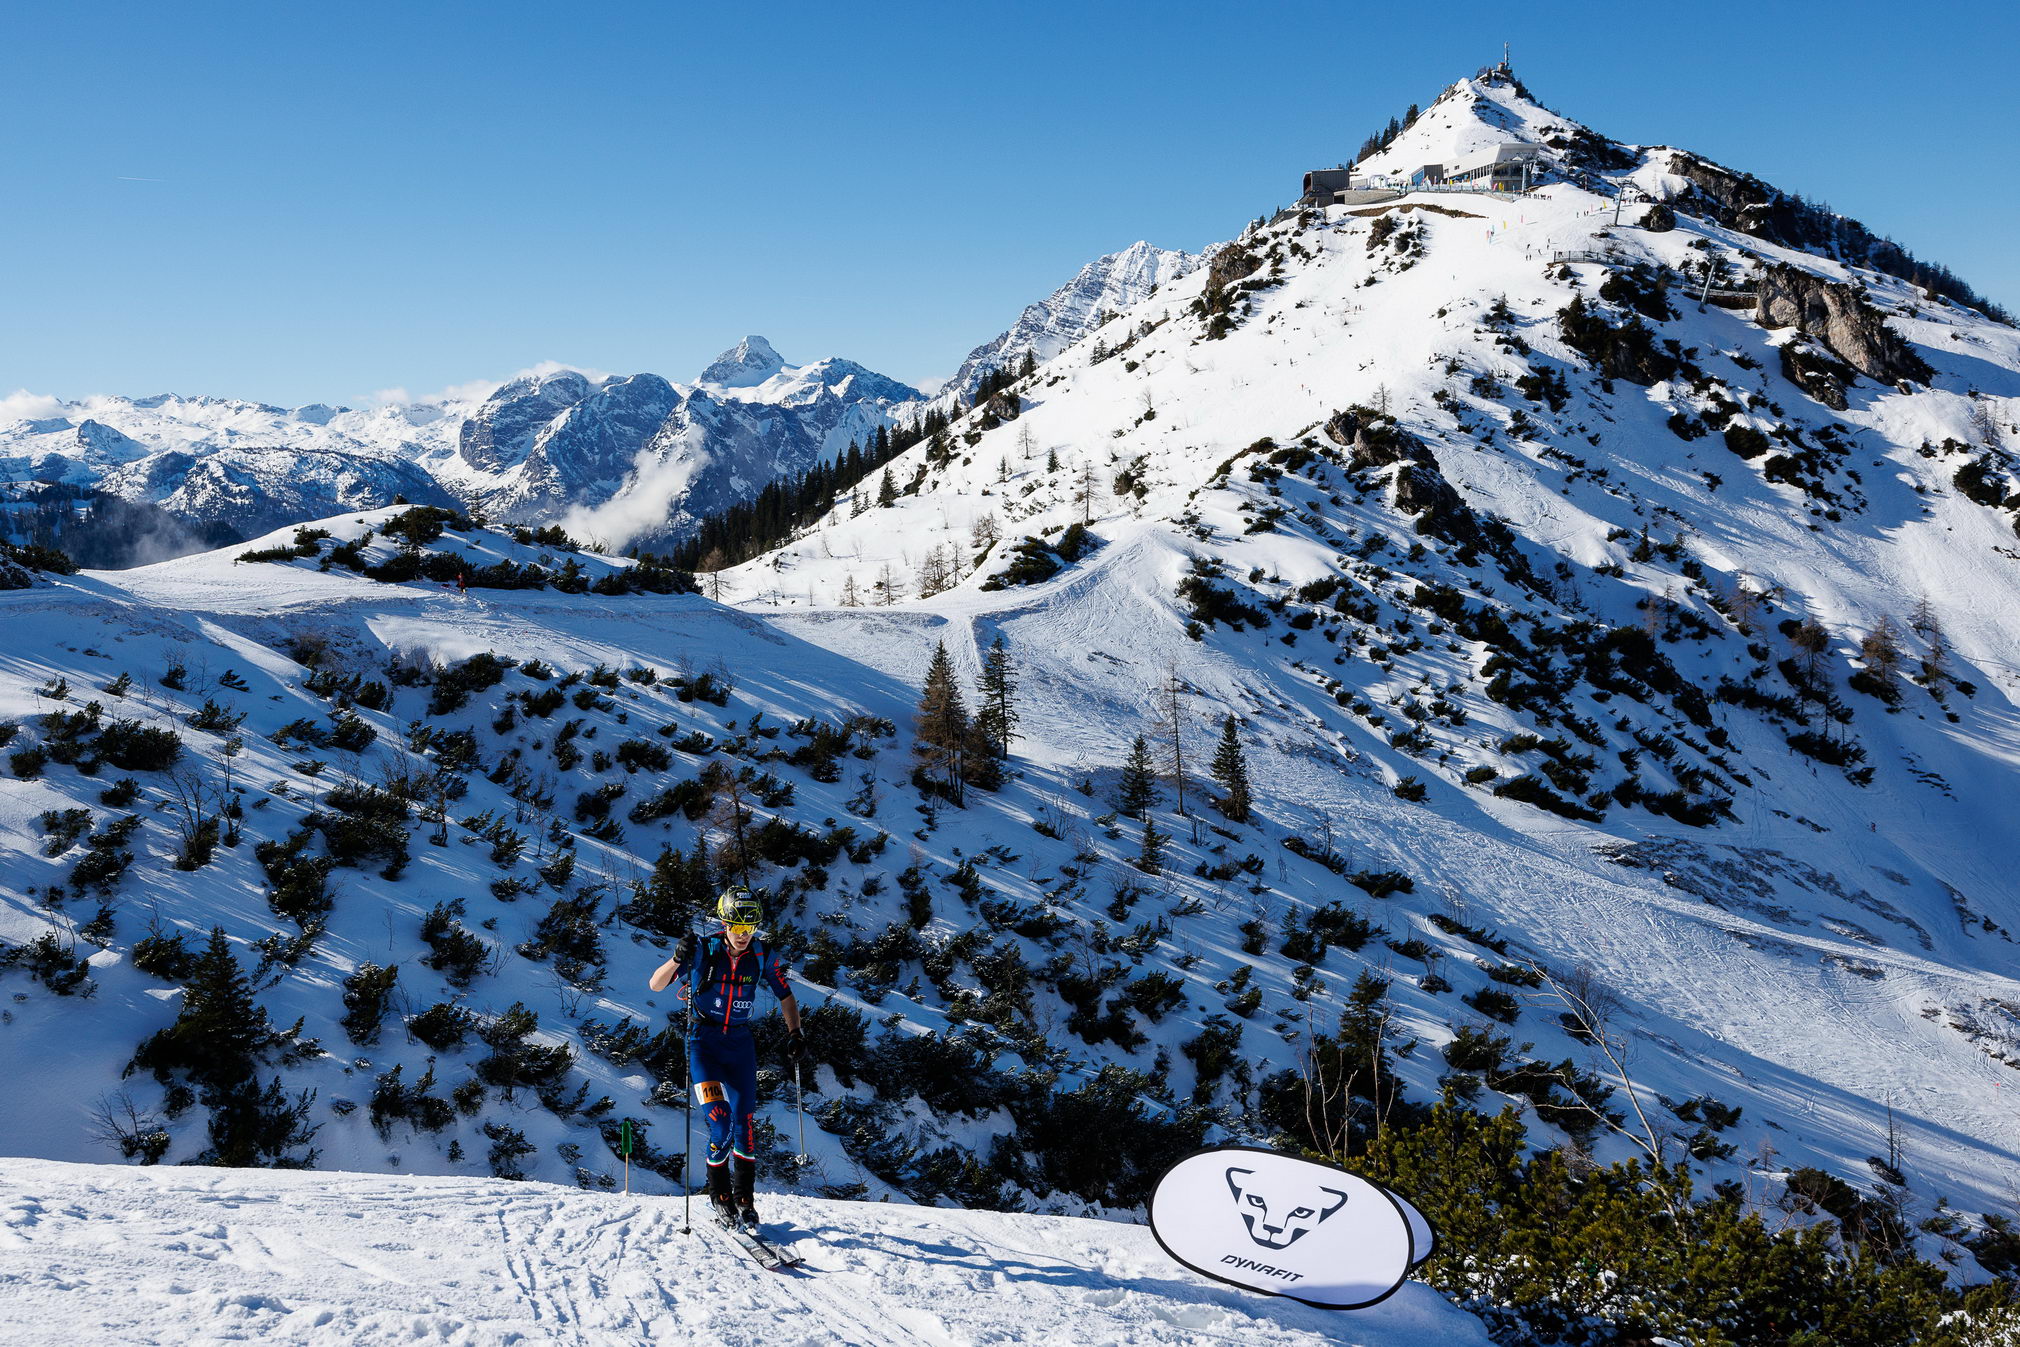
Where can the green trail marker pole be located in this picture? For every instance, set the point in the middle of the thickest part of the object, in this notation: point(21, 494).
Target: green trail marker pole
point(624, 1149)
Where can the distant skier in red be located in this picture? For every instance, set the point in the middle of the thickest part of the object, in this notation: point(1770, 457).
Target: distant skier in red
point(722, 974)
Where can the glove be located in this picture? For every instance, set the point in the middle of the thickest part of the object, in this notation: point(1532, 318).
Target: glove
point(684, 951)
point(796, 1047)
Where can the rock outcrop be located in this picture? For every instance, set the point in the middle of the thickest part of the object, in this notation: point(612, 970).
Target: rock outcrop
point(1836, 315)
point(1420, 485)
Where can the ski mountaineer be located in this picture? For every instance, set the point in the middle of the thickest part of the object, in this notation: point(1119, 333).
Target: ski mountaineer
point(722, 973)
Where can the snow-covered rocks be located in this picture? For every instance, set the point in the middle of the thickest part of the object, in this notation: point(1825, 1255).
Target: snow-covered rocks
point(1105, 286)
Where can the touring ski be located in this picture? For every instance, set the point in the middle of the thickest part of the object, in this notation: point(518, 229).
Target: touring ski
point(761, 1250)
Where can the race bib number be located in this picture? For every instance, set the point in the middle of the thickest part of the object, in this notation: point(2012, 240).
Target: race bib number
point(708, 1091)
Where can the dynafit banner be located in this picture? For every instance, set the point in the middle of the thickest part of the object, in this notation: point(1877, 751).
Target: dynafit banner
point(1288, 1226)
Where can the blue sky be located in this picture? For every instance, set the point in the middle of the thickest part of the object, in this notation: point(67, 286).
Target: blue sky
point(301, 203)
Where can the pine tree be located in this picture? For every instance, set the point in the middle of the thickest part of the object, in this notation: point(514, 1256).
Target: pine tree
point(220, 1028)
point(980, 767)
point(944, 735)
point(216, 1042)
point(1150, 859)
point(365, 993)
point(887, 495)
point(851, 596)
point(253, 1125)
point(1028, 366)
point(1230, 769)
point(666, 901)
point(995, 698)
point(1139, 780)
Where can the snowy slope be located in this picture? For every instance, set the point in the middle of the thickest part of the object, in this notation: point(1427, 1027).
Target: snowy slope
point(1454, 555)
point(91, 1253)
point(1469, 119)
point(1858, 937)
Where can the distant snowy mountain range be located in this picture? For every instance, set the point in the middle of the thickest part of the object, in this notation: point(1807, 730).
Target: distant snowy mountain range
point(620, 458)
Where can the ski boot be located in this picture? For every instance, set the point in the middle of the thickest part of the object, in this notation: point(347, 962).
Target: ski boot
point(746, 1185)
point(721, 1201)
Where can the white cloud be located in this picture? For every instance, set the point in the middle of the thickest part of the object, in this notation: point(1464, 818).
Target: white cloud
point(22, 405)
point(660, 472)
point(556, 367)
point(476, 390)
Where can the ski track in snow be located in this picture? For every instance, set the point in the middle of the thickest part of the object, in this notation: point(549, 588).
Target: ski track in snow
point(179, 1256)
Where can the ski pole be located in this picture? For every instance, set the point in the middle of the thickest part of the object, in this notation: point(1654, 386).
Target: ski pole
point(624, 1145)
point(800, 1107)
point(687, 1109)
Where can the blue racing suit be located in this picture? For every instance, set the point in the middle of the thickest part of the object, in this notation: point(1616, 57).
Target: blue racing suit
point(722, 1056)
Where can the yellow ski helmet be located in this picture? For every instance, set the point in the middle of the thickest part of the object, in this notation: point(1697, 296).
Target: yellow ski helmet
point(736, 907)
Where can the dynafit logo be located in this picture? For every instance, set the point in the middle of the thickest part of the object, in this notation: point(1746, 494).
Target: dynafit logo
point(1281, 1209)
point(1309, 1230)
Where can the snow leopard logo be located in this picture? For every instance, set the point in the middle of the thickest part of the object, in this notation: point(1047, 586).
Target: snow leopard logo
point(1281, 1212)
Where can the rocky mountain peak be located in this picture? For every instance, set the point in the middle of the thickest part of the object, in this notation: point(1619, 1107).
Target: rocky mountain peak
point(749, 363)
point(1472, 121)
point(1107, 285)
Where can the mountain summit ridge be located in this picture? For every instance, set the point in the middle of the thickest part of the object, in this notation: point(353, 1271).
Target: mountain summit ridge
point(749, 362)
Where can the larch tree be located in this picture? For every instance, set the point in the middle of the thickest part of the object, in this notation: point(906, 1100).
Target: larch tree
point(1171, 728)
point(1925, 624)
point(1086, 489)
point(936, 572)
point(713, 565)
point(982, 536)
point(730, 814)
point(1880, 649)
